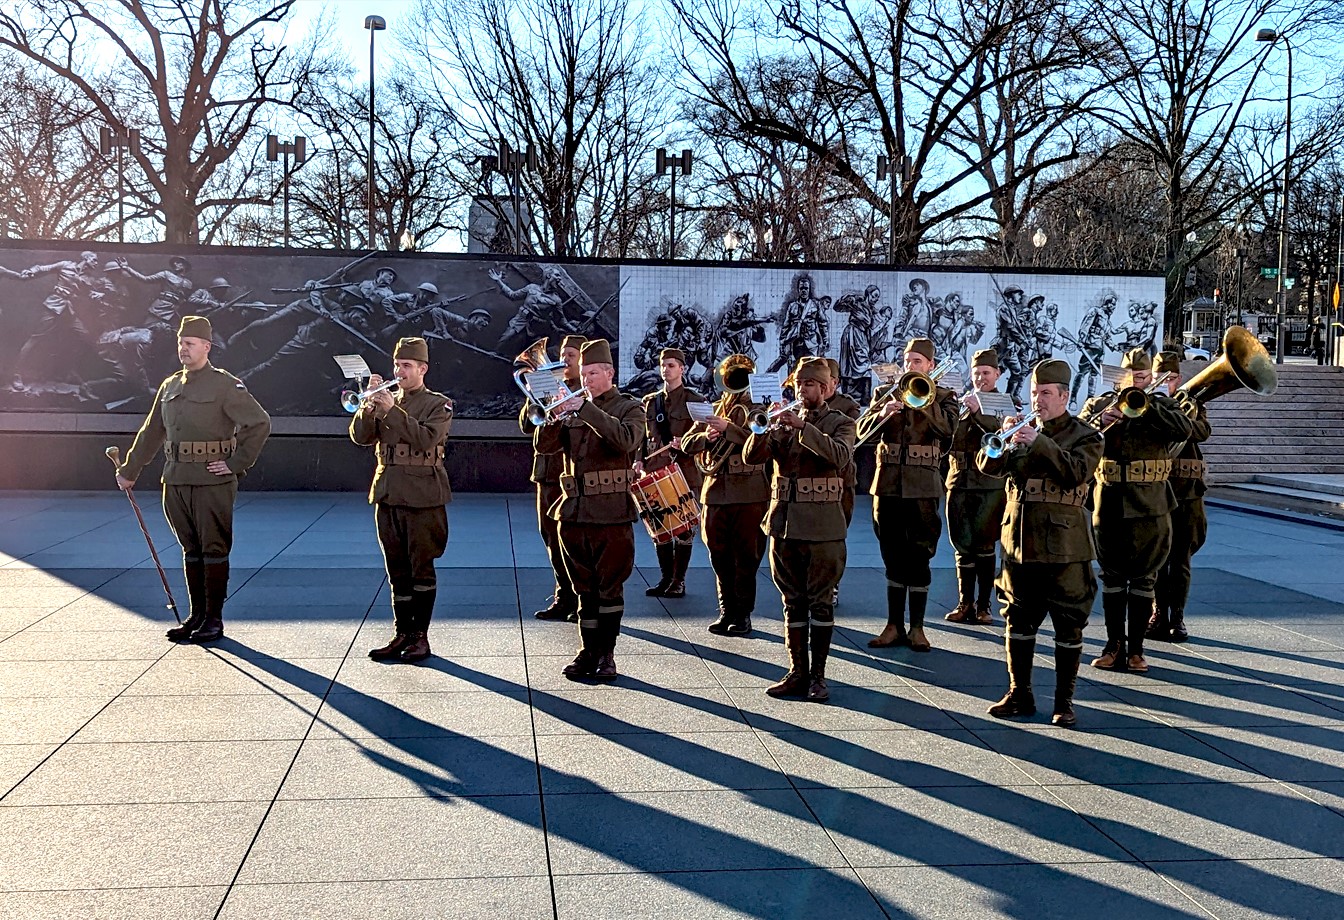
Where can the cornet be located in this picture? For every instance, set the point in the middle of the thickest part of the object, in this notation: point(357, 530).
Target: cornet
point(996, 444)
point(351, 401)
point(762, 420)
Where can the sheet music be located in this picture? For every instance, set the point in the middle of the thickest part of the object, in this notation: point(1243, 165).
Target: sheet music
point(886, 372)
point(765, 388)
point(546, 386)
point(953, 381)
point(353, 367)
point(996, 403)
point(700, 410)
point(1113, 377)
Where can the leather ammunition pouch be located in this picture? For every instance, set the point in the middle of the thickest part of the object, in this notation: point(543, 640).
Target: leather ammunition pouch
point(909, 454)
point(735, 467)
point(1111, 472)
point(402, 455)
point(1188, 469)
point(597, 482)
point(1047, 492)
point(807, 488)
point(199, 451)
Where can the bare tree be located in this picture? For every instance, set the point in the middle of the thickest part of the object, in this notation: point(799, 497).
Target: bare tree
point(195, 74)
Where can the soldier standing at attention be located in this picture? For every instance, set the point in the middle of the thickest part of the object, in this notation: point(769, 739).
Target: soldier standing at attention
point(546, 469)
point(1047, 541)
point(734, 498)
point(1189, 525)
point(599, 439)
point(1132, 507)
point(907, 487)
point(806, 524)
point(211, 431)
point(410, 493)
point(975, 501)
point(668, 421)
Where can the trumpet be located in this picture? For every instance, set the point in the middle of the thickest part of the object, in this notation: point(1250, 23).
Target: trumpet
point(762, 420)
point(351, 400)
point(997, 443)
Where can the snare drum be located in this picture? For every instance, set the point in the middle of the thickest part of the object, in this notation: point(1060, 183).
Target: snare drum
point(666, 503)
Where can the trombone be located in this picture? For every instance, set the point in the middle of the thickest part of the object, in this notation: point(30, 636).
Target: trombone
point(351, 400)
point(1132, 402)
point(915, 389)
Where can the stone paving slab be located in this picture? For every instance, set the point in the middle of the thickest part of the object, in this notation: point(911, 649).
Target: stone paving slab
point(317, 783)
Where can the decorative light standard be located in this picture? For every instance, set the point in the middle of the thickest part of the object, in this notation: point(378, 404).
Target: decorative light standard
point(121, 140)
point(275, 150)
point(731, 241)
point(512, 163)
point(1281, 292)
point(374, 24)
point(663, 163)
point(884, 168)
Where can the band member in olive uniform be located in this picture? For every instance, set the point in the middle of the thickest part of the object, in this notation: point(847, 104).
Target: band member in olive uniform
point(410, 493)
point(1047, 541)
point(599, 439)
point(806, 523)
point(975, 501)
point(846, 405)
point(733, 502)
point(1132, 507)
point(668, 421)
point(1189, 525)
point(211, 431)
point(907, 487)
point(546, 469)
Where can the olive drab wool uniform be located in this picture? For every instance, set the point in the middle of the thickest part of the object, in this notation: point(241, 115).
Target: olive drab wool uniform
point(1047, 550)
point(807, 527)
point(733, 503)
point(1189, 529)
point(410, 493)
point(907, 489)
point(595, 511)
point(975, 507)
point(546, 471)
point(197, 417)
point(847, 406)
point(1131, 516)
point(668, 418)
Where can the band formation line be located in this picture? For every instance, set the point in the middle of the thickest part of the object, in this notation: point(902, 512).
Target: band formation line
point(1121, 484)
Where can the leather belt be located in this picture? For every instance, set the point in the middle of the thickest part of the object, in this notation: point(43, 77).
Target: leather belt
point(1047, 492)
point(199, 451)
point(1111, 472)
point(597, 482)
point(909, 454)
point(1188, 469)
point(807, 488)
point(402, 455)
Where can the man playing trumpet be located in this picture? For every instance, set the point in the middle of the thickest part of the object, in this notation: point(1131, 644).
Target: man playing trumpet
point(1047, 541)
point(907, 486)
point(410, 492)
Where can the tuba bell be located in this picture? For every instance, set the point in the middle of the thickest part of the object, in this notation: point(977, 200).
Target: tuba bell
point(732, 376)
point(1243, 363)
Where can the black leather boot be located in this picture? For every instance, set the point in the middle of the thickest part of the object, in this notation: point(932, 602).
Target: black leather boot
point(216, 590)
point(817, 691)
point(797, 681)
point(984, 586)
point(1019, 700)
point(585, 662)
point(894, 632)
point(1066, 678)
point(681, 562)
point(965, 611)
point(919, 600)
point(1178, 631)
point(417, 649)
point(195, 575)
point(403, 626)
point(720, 626)
point(1140, 609)
point(664, 551)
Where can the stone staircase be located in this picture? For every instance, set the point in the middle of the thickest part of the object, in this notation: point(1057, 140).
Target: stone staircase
point(1298, 431)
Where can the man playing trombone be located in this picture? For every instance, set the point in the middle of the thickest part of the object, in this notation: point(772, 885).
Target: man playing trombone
point(1132, 506)
point(410, 492)
point(1047, 542)
point(806, 523)
point(599, 438)
point(668, 421)
point(975, 501)
point(914, 419)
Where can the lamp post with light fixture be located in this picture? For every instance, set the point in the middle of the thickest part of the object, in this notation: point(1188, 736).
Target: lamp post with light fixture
point(374, 24)
point(1281, 292)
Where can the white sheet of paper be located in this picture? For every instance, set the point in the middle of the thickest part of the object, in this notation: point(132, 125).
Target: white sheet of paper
point(1112, 376)
point(545, 386)
point(700, 410)
point(353, 367)
point(765, 388)
point(953, 381)
point(996, 403)
point(886, 372)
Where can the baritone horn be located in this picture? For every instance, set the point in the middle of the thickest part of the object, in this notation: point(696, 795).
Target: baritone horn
point(733, 377)
point(535, 360)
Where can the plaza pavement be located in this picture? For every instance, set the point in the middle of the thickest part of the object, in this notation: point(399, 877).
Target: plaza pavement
point(280, 773)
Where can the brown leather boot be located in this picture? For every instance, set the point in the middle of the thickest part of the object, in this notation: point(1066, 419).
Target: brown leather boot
point(195, 575)
point(681, 563)
point(919, 600)
point(664, 552)
point(983, 616)
point(416, 648)
point(1019, 700)
point(404, 625)
point(796, 682)
point(1066, 678)
point(894, 632)
point(964, 613)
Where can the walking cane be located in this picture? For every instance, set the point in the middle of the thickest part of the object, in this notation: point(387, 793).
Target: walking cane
point(114, 454)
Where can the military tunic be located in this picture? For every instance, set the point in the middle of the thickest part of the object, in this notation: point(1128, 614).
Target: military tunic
point(1189, 524)
point(668, 418)
point(197, 417)
point(410, 492)
point(908, 483)
point(805, 519)
point(546, 470)
point(733, 503)
point(847, 406)
point(595, 509)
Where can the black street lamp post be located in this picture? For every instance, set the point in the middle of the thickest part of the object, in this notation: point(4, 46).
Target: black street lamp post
point(121, 140)
point(663, 163)
point(374, 24)
point(275, 150)
point(1281, 292)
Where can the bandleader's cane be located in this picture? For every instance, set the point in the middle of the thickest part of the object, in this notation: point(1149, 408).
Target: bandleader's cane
point(114, 454)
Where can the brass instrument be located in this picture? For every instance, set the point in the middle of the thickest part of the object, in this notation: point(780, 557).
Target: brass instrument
point(762, 420)
point(351, 401)
point(1243, 363)
point(535, 360)
point(1131, 401)
point(732, 377)
point(913, 388)
point(997, 443)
